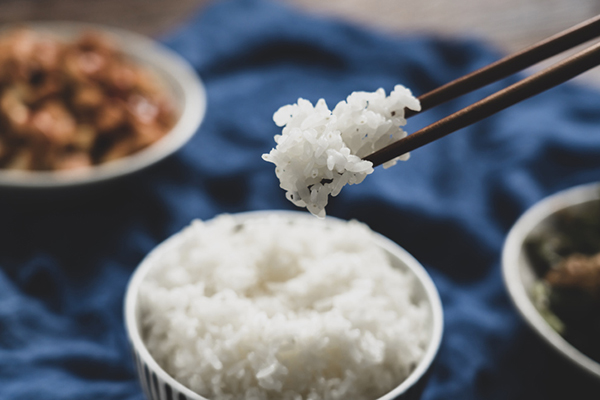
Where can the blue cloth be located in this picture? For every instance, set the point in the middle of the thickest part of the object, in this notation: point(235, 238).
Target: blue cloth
point(63, 270)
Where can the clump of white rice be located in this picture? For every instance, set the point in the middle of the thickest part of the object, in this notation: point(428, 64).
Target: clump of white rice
point(320, 151)
point(281, 310)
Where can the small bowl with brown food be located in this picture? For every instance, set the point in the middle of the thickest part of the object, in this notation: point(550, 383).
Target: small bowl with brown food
point(82, 104)
point(551, 267)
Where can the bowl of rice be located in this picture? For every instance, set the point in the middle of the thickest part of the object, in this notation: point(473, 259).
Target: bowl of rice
point(84, 103)
point(282, 305)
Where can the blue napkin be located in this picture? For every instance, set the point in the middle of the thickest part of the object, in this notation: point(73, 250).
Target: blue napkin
point(63, 270)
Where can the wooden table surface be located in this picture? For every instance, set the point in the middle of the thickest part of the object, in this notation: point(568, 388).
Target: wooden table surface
point(507, 24)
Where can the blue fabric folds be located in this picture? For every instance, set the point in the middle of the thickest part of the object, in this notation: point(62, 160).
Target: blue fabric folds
point(63, 270)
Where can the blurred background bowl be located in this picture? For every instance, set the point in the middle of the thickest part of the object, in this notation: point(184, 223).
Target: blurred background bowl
point(174, 74)
point(520, 276)
point(159, 385)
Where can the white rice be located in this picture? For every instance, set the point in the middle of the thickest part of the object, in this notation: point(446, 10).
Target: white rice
point(280, 310)
point(320, 151)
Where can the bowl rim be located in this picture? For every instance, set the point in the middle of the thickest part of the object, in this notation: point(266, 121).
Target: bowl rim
point(164, 59)
point(387, 244)
point(511, 253)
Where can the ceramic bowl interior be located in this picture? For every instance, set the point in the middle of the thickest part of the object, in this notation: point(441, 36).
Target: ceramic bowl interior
point(520, 276)
point(176, 76)
point(158, 385)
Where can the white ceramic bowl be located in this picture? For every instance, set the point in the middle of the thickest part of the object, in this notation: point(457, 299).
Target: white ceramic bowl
point(519, 275)
point(174, 73)
point(158, 385)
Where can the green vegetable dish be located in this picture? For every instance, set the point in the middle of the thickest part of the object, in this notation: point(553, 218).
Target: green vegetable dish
point(565, 254)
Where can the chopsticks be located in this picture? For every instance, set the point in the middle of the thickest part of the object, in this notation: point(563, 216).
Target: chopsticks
point(528, 87)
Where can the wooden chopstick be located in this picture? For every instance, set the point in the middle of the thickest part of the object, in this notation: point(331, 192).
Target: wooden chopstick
point(511, 64)
point(528, 87)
